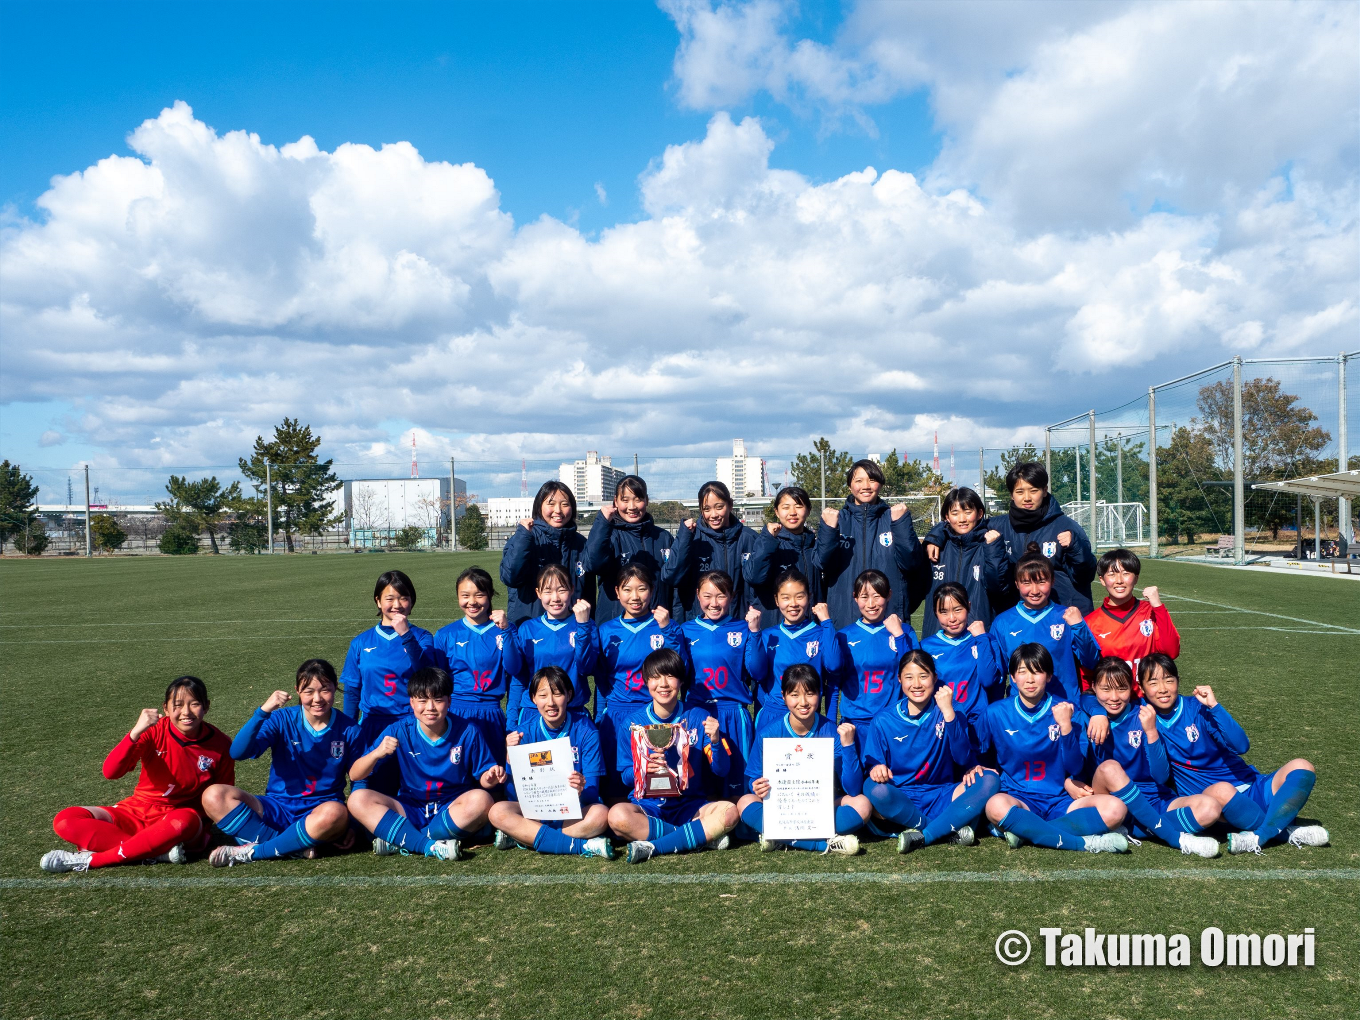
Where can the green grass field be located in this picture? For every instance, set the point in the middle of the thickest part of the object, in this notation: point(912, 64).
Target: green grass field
point(86, 644)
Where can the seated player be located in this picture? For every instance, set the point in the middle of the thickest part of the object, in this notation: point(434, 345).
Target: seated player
point(669, 825)
point(1205, 744)
point(563, 636)
point(446, 770)
point(968, 660)
point(796, 639)
point(802, 690)
point(1132, 766)
point(180, 755)
point(1031, 738)
point(916, 754)
point(1124, 625)
point(311, 745)
point(551, 695)
point(871, 649)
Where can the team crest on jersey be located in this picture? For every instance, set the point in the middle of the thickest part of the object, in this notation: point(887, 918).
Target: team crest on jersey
point(657, 641)
point(580, 569)
point(1135, 738)
point(500, 642)
point(892, 642)
point(337, 748)
point(1050, 549)
point(205, 763)
point(693, 737)
point(1192, 733)
point(665, 554)
point(812, 649)
point(885, 539)
point(1057, 631)
point(975, 651)
point(939, 730)
point(571, 639)
point(977, 572)
point(456, 755)
point(1145, 628)
point(734, 639)
point(938, 573)
point(1053, 732)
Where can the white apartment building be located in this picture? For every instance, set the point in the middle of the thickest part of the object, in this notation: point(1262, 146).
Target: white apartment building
point(743, 475)
point(507, 511)
point(593, 480)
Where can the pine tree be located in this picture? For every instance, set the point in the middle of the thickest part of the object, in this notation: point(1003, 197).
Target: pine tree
point(301, 483)
point(472, 529)
point(201, 505)
point(17, 493)
point(806, 471)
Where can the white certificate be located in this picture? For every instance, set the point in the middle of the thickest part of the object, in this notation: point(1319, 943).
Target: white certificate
point(801, 804)
point(541, 772)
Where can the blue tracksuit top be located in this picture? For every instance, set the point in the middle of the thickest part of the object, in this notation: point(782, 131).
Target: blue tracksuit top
point(970, 560)
point(867, 537)
point(771, 555)
point(613, 544)
point(1073, 568)
point(527, 552)
point(703, 549)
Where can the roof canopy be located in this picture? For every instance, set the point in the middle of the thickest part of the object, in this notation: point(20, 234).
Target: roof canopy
point(1343, 484)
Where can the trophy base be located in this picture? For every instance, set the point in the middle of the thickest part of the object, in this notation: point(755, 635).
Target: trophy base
point(662, 786)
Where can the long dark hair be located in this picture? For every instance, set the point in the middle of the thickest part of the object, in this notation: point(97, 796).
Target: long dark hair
point(549, 488)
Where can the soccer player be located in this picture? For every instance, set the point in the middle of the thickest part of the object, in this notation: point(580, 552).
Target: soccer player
point(564, 636)
point(866, 533)
point(1036, 517)
point(446, 770)
point(718, 540)
point(964, 550)
point(180, 755)
point(481, 656)
point(1204, 745)
point(378, 664)
point(1036, 748)
point(968, 659)
point(916, 753)
point(720, 646)
point(669, 825)
point(788, 542)
point(802, 691)
point(624, 534)
point(547, 537)
point(871, 648)
point(551, 695)
point(796, 639)
point(312, 745)
point(1132, 765)
point(1125, 626)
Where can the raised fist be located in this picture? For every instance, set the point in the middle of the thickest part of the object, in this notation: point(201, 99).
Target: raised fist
point(276, 700)
point(1153, 596)
point(894, 625)
point(1072, 616)
point(753, 620)
point(1062, 715)
point(831, 516)
point(821, 611)
point(977, 628)
point(145, 721)
point(846, 731)
point(662, 616)
point(932, 552)
point(1064, 538)
point(581, 608)
point(898, 511)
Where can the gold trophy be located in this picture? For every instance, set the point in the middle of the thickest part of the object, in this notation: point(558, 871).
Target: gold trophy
point(659, 737)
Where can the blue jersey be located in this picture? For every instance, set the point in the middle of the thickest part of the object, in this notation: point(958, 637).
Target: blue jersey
point(1204, 746)
point(303, 762)
point(705, 757)
point(848, 773)
point(438, 770)
point(544, 641)
point(623, 644)
point(1069, 644)
point(866, 683)
point(585, 748)
point(1145, 763)
point(481, 660)
point(377, 666)
point(721, 653)
point(974, 668)
point(1033, 754)
point(919, 749)
point(780, 647)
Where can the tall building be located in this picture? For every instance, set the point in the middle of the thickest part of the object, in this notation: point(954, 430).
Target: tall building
point(743, 475)
point(593, 480)
point(507, 511)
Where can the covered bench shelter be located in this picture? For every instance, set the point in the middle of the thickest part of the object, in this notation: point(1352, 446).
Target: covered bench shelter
point(1339, 485)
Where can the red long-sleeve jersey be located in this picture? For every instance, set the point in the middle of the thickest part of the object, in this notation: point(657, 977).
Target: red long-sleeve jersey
point(175, 770)
point(1132, 633)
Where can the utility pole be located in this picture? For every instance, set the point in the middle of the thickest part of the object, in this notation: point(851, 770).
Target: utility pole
point(982, 475)
point(453, 508)
point(269, 504)
point(1091, 417)
point(1239, 510)
point(822, 455)
point(1154, 543)
point(635, 464)
point(1343, 506)
point(1119, 486)
point(89, 549)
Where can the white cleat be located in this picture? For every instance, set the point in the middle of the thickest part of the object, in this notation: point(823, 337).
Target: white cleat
point(59, 861)
point(504, 841)
point(1124, 831)
point(1200, 846)
point(1244, 843)
point(177, 855)
point(383, 848)
point(768, 845)
point(1307, 835)
point(638, 851)
point(721, 843)
point(447, 850)
point(227, 856)
point(847, 845)
point(598, 846)
point(1106, 843)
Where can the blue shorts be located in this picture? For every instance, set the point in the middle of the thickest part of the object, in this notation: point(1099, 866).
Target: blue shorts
point(1259, 791)
point(488, 718)
point(734, 722)
point(1047, 806)
point(675, 810)
point(279, 812)
point(423, 812)
point(931, 800)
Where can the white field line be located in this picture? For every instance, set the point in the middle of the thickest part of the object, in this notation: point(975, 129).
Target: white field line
point(92, 883)
point(1258, 612)
point(1277, 630)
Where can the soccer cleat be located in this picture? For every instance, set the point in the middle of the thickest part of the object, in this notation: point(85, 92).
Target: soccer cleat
point(1243, 843)
point(908, 840)
point(598, 846)
point(962, 836)
point(58, 861)
point(504, 841)
point(1200, 846)
point(1106, 843)
point(446, 850)
point(638, 851)
point(768, 845)
point(383, 848)
point(1123, 830)
point(847, 844)
point(721, 843)
point(1013, 840)
point(1307, 835)
point(226, 856)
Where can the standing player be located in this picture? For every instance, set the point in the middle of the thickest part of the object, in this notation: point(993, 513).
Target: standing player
point(796, 639)
point(1035, 517)
point(180, 755)
point(670, 825)
point(311, 745)
point(784, 544)
point(624, 534)
point(871, 648)
point(1205, 744)
point(547, 537)
point(968, 659)
point(446, 770)
point(564, 636)
point(1125, 626)
point(378, 664)
point(964, 550)
point(550, 693)
point(717, 541)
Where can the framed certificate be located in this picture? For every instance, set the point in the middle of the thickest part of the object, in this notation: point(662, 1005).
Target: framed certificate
point(541, 772)
point(802, 800)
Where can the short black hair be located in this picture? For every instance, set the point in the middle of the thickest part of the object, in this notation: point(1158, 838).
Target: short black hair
point(197, 689)
point(719, 580)
point(800, 674)
point(1125, 559)
point(555, 677)
point(1028, 471)
point(1153, 660)
point(1033, 565)
point(664, 662)
point(796, 493)
point(1111, 667)
point(554, 571)
point(964, 497)
point(398, 582)
point(480, 579)
point(715, 488)
point(316, 669)
point(430, 682)
point(637, 570)
point(871, 468)
point(1034, 657)
point(547, 489)
point(633, 484)
point(918, 657)
point(950, 590)
point(875, 579)
point(791, 575)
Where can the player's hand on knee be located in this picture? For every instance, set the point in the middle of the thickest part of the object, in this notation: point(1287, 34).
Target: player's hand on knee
point(846, 731)
point(880, 773)
point(1076, 789)
point(1098, 729)
point(276, 700)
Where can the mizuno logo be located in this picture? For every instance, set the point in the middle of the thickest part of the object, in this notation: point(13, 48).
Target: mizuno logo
point(1015, 633)
point(370, 649)
point(852, 643)
point(1012, 732)
point(537, 640)
point(900, 739)
point(460, 644)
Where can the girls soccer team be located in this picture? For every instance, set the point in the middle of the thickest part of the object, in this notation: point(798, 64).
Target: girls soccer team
point(1026, 711)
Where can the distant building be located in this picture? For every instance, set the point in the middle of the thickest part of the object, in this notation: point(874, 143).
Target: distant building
point(743, 475)
point(507, 511)
point(376, 508)
point(593, 480)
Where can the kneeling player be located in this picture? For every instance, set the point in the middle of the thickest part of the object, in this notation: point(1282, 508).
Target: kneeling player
point(1037, 749)
point(180, 755)
point(446, 771)
point(1205, 745)
point(1132, 765)
point(311, 746)
point(550, 692)
point(915, 754)
point(669, 825)
point(802, 690)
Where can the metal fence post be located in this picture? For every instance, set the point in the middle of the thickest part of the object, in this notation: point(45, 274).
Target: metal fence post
point(269, 504)
point(1239, 510)
point(1095, 541)
point(453, 507)
point(89, 549)
point(1154, 542)
point(1343, 505)
point(822, 455)
point(1048, 454)
point(982, 476)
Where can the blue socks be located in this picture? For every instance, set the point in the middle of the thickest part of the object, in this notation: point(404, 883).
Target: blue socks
point(1139, 806)
point(1242, 814)
point(1028, 825)
point(752, 821)
point(245, 826)
point(656, 828)
point(689, 836)
point(1285, 804)
point(847, 820)
point(290, 841)
point(1085, 821)
point(444, 827)
point(554, 841)
point(894, 805)
point(964, 808)
point(1174, 822)
point(402, 834)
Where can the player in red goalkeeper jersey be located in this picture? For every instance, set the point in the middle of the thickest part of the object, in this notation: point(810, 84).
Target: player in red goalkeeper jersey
point(180, 755)
point(1124, 626)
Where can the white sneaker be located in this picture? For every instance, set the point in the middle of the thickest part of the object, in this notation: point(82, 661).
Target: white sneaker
point(721, 843)
point(383, 848)
point(1106, 843)
point(446, 850)
point(58, 861)
point(598, 846)
point(226, 856)
point(504, 841)
point(1123, 830)
point(1243, 843)
point(847, 844)
point(1307, 835)
point(1200, 846)
point(638, 851)
point(177, 855)
point(768, 845)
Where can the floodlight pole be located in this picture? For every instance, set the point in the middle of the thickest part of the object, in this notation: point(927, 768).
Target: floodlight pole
point(822, 454)
point(982, 476)
point(1091, 418)
point(89, 549)
point(1119, 486)
point(1048, 454)
point(1343, 505)
point(269, 504)
point(1239, 515)
point(1154, 543)
point(453, 508)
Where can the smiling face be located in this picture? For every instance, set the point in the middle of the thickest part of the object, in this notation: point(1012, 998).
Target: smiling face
point(556, 509)
point(431, 713)
point(953, 617)
point(918, 686)
point(551, 704)
point(665, 691)
point(713, 601)
point(792, 602)
point(791, 514)
point(317, 698)
point(715, 511)
point(1119, 583)
point(1160, 689)
point(1026, 496)
point(185, 712)
point(631, 507)
point(802, 703)
point(391, 601)
point(862, 487)
point(962, 519)
point(1034, 592)
point(872, 605)
point(1030, 683)
point(555, 597)
point(475, 603)
point(1113, 698)
point(635, 595)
